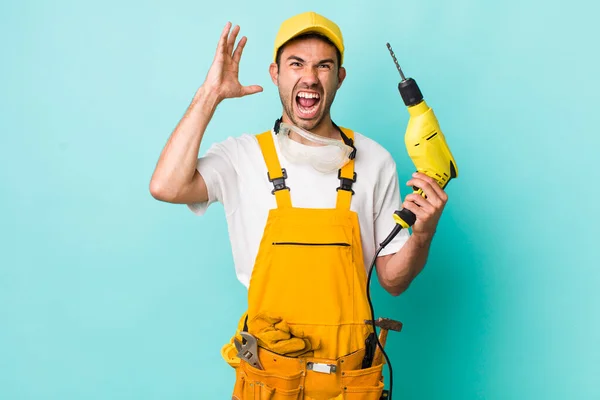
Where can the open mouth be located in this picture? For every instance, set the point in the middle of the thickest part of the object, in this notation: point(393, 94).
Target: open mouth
point(307, 104)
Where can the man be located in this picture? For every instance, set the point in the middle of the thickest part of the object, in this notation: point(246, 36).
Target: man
point(307, 204)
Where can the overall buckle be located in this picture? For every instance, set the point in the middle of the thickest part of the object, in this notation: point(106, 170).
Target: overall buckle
point(346, 183)
point(278, 183)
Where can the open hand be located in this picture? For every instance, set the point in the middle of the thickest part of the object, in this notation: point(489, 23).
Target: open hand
point(427, 210)
point(222, 77)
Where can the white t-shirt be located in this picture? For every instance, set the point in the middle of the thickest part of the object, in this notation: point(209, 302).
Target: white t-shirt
point(236, 176)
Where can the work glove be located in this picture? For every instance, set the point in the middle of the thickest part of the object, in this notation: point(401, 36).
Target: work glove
point(275, 334)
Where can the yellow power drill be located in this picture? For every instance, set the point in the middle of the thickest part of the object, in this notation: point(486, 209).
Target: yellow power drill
point(429, 152)
point(424, 141)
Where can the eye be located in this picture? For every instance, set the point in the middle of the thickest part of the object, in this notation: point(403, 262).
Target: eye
point(295, 64)
point(327, 66)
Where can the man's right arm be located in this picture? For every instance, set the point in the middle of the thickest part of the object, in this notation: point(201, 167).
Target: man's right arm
point(175, 178)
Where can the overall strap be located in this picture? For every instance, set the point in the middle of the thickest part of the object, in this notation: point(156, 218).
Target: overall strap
point(275, 174)
point(347, 177)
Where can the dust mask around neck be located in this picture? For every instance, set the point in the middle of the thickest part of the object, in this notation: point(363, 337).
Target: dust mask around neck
point(328, 155)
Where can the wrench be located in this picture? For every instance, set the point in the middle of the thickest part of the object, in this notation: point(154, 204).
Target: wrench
point(248, 351)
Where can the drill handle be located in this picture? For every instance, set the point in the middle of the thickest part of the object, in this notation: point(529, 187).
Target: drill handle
point(405, 218)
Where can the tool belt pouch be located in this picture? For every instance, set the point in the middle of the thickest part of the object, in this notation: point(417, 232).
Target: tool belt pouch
point(252, 383)
point(289, 378)
point(362, 384)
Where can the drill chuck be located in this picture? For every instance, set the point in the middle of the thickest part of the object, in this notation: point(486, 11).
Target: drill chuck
point(408, 88)
point(410, 92)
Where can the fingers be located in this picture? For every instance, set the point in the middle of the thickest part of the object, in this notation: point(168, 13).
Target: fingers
point(246, 90)
point(237, 54)
point(422, 203)
point(419, 212)
point(430, 187)
point(222, 45)
point(231, 39)
point(434, 185)
point(227, 42)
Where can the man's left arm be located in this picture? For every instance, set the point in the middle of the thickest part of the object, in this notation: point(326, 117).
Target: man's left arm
point(396, 271)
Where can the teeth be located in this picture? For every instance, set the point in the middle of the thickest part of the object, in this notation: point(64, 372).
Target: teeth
point(308, 95)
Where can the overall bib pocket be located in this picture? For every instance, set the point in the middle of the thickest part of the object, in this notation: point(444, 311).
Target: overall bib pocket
point(334, 244)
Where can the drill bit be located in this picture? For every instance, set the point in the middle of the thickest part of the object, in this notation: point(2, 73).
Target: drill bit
point(396, 61)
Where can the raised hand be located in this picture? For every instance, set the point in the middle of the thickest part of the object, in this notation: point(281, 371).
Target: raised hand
point(222, 77)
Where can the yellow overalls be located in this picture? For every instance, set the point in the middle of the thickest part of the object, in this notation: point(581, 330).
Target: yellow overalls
point(307, 301)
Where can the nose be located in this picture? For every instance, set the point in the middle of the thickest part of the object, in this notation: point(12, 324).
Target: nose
point(310, 76)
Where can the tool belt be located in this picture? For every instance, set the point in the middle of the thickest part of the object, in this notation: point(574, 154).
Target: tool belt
point(306, 378)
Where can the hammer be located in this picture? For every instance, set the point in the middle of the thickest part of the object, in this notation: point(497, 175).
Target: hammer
point(385, 325)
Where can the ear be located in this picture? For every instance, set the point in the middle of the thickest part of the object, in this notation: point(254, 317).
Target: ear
point(274, 72)
point(341, 76)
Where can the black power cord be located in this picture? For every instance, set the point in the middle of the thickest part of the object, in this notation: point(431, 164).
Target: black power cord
point(387, 240)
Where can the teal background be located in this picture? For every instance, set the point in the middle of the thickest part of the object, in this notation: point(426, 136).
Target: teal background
point(107, 293)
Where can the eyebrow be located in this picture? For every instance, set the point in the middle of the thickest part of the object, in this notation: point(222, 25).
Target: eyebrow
point(295, 58)
point(328, 60)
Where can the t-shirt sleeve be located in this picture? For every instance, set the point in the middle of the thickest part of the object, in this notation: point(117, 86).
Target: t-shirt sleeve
point(219, 170)
point(387, 202)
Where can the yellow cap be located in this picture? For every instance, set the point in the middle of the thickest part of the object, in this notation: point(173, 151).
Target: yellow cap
point(309, 22)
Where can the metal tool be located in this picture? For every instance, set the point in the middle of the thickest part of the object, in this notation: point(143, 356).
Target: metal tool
point(385, 325)
point(248, 350)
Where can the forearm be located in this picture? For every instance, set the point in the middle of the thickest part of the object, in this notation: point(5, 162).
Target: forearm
point(397, 271)
point(176, 165)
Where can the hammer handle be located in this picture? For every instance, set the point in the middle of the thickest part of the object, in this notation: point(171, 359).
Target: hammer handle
point(378, 354)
